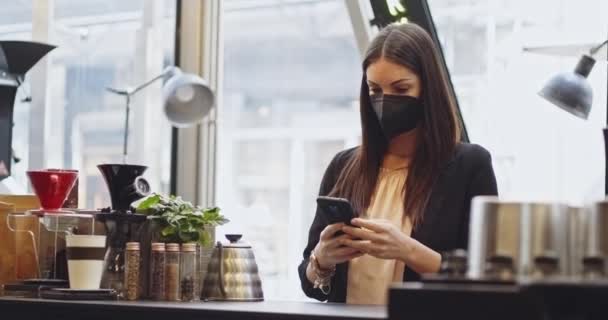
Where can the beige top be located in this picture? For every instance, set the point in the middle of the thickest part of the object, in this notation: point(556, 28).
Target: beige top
point(368, 277)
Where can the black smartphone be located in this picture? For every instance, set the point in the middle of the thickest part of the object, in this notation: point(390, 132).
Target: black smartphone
point(336, 210)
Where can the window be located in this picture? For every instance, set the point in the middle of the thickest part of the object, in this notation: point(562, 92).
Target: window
point(539, 151)
point(100, 43)
point(291, 84)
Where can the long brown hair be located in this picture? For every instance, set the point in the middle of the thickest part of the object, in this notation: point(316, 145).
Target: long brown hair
point(439, 131)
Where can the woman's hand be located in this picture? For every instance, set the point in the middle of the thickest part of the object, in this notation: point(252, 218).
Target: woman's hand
point(380, 239)
point(330, 251)
point(383, 240)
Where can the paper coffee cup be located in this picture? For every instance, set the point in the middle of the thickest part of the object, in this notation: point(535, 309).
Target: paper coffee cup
point(85, 255)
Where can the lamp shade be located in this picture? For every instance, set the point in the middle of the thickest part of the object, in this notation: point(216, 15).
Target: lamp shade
point(570, 90)
point(187, 98)
point(16, 59)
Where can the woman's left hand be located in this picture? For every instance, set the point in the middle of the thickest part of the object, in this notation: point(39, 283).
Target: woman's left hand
point(379, 238)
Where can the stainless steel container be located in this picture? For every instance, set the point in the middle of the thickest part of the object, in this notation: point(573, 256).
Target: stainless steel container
point(544, 240)
point(494, 238)
point(595, 243)
point(233, 273)
point(509, 239)
point(575, 224)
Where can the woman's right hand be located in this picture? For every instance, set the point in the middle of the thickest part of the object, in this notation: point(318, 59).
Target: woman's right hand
point(329, 251)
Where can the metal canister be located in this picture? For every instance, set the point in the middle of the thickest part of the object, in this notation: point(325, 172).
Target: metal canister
point(575, 224)
point(494, 238)
point(544, 240)
point(595, 241)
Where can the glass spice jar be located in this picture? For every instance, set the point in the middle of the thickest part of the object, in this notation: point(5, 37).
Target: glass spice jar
point(188, 272)
point(172, 272)
point(157, 272)
point(131, 285)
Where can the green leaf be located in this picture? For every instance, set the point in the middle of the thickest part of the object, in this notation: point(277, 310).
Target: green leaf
point(167, 231)
point(149, 202)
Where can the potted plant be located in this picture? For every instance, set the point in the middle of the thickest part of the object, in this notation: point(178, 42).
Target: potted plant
point(171, 219)
point(180, 221)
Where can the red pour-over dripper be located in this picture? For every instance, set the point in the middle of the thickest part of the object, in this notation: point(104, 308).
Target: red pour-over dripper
point(52, 187)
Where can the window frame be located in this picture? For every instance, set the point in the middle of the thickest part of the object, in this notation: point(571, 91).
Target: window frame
point(199, 51)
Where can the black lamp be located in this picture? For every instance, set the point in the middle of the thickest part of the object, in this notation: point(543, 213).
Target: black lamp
point(572, 92)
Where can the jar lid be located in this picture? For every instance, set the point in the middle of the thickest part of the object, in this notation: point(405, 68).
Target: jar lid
point(158, 246)
point(173, 247)
point(133, 246)
point(189, 247)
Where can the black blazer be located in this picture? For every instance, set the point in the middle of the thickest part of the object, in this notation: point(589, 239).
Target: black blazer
point(446, 220)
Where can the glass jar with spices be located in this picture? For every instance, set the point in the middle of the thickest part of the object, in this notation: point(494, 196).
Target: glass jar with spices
point(172, 272)
point(131, 285)
point(188, 272)
point(157, 271)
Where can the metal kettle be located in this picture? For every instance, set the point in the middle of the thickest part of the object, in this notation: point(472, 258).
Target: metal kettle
point(233, 273)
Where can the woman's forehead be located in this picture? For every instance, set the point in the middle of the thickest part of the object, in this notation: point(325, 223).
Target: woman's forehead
point(385, 71)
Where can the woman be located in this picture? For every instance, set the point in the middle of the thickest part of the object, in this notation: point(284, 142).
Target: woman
point(410, 182)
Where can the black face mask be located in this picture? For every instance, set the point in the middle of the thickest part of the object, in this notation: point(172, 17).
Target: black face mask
point(397, 114)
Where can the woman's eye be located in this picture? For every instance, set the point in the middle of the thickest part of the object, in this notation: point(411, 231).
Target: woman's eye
point(375, 90)
point(402, 90)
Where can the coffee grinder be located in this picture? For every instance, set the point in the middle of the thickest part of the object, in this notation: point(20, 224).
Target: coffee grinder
point(126, 185)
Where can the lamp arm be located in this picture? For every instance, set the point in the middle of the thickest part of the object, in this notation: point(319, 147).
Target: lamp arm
point(131, 91)
point(597, 48)
point(168, 70)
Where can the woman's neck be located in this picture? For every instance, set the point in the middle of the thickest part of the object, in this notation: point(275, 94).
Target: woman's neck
point(404, 145)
